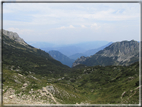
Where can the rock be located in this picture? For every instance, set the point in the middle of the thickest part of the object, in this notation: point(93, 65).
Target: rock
point(20, 75)
point(79, 60)
point(131, 91)
point(118, 53)
point(130, 78)
point(17, 81)
point(59, 79)
point(33, 77)
point(43, 89)
point(25, 85)
point(10, 96)
point(50, 89)
point(14, 36)
point(19, 94)
point(123, 94)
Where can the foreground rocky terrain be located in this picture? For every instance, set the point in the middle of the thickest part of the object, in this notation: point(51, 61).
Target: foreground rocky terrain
point(41, 96)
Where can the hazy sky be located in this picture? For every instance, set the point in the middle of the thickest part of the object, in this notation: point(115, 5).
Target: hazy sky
point(73, 22)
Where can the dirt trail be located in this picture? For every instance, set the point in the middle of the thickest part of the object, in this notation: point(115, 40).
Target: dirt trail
point(50, 95)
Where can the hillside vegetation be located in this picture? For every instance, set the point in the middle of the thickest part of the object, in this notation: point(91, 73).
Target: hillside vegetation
point(89, 85)
point(29, 59)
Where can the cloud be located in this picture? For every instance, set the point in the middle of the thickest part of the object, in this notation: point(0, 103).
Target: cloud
point(63, 27)
point(108, 15)
point(96, 26)
point(83, 26)
point(23, 33)
point(55, 19)
point(20, 31)
point(71, 26)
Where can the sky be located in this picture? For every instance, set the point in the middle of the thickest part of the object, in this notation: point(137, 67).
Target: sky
point(68, 23)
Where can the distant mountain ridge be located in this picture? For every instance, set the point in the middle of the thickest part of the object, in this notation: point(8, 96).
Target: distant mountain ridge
point(88, 52)
point(69, 49)
point(93, 51)
point(118, 53)
point(61, 57)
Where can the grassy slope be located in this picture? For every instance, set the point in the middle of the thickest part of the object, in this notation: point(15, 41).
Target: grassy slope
point(102, 85)
point(15, 80)
point(93, 85)
point(28, 58)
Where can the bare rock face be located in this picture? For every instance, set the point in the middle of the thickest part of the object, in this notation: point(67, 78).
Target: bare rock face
point(14, 36)
point(79, 61)
point(50, 89)
point(118, 53)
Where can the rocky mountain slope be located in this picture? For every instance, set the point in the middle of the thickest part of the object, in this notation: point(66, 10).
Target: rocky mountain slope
point(119, 53)
point(61, 57)
point(21, 56)
point(14, 36)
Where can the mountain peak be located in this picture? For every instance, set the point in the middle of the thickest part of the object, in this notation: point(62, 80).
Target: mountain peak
point(118, 53)
point(14, 36)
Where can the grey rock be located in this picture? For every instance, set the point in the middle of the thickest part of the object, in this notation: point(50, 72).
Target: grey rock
point(43, 90)
point(79, 61)
point(14, 36)
point(25, 85)
point(50, 89)
point(11, 96)
point(17, 81)
point(118, 53)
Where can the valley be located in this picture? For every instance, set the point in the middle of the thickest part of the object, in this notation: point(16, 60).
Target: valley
point(61, 57)
point(33, 76)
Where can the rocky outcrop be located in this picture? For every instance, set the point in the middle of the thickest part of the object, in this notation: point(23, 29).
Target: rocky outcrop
point(14, 36)
point(118, 53)
point(34, 97)
point(79, 61)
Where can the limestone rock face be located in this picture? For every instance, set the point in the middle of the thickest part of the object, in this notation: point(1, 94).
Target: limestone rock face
point(79, 60)
point(118, 53)
point(14, 36)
